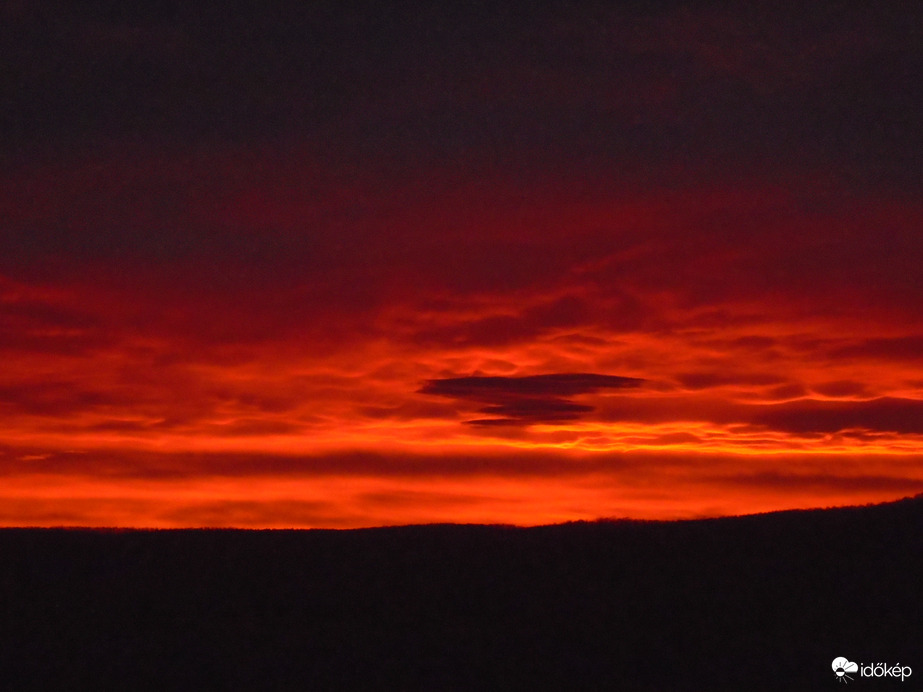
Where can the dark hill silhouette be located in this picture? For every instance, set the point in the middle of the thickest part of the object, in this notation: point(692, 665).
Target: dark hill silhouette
point(757, 602)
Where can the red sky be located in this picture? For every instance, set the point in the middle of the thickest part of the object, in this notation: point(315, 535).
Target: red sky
point(457, 266)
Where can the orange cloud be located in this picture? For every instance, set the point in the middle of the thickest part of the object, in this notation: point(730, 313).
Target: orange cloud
point(352, 490)
point(280, 347)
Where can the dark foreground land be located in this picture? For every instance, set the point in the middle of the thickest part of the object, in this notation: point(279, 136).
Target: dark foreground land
point(762, 602)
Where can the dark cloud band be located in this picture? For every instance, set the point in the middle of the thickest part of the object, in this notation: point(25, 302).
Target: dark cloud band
point(528, 399)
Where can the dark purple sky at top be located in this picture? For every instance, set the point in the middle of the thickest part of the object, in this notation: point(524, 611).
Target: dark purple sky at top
point(127, 129)
point(646, 88)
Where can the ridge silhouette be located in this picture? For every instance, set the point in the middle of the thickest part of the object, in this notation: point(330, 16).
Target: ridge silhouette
point(754, 602)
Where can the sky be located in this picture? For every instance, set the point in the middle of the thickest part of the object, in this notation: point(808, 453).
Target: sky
point(283, 264)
